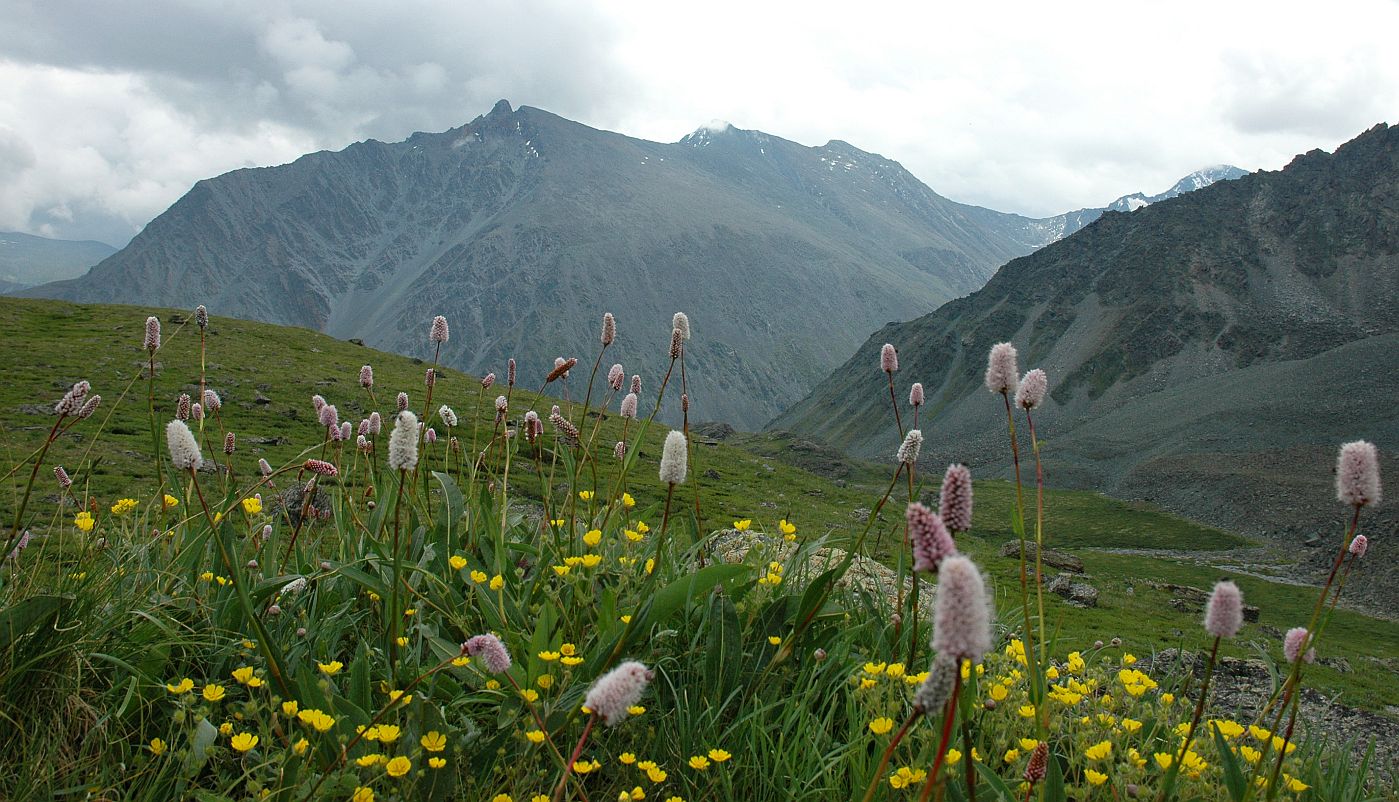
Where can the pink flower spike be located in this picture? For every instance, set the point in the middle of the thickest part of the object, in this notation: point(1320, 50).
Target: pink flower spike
point(1001, 371)
point(1224, 615)
point(955, 498)
point(888, 358)
point(490, 651)
point(1294, 642)
point(961, 613)
point(915, 394)
point(615, 692)
point(1358, 474)
point(438, 332)
point(929, 536)
point(320, 467)
point(1358, 545)
point(1032, 388)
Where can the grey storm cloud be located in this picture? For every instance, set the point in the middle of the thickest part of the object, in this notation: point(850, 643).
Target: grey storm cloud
point(110, 111)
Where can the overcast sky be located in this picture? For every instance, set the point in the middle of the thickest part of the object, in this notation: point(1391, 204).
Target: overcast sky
point(110, 111)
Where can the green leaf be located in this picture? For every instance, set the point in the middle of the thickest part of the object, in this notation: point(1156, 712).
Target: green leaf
point(997, 784)
point(1233, 776)
point(27, 616)
point(724, 654)
point(1054, 780)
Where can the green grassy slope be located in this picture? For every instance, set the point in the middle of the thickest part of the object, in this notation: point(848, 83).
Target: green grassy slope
point(48, 345)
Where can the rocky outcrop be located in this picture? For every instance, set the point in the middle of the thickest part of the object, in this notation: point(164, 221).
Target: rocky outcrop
point(864, 576)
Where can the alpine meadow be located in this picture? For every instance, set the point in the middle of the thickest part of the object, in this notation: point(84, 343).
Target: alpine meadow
point(1000, 408)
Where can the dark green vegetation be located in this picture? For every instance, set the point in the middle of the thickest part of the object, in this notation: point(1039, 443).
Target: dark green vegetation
point(1207, 353)
point(763, 477)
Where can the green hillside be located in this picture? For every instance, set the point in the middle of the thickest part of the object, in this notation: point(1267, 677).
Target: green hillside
point(267, 374)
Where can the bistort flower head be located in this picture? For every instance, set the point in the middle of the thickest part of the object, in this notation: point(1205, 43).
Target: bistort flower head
point(1294, 642)
point(430, 378)
point(376, 423)
point(935, 689)
point(609, 329)
point(403, 442)
point(90, 406)
point(229, 443)
point(561, 368)
point(196, 411)
point(1224, 615)
point(616, 377)
point(888, 358)
point(212, 402)
point(448, 415)
point(487, 381)
point(629, 406)
point(1358, 545)
point(915, 394)
point(681, 321)
point(201, 317)
point(677, 343)
point(909, 448)
point(402, 401)
point(490, 651)
point(563, 426)
point(366, 377)
point(264, 467)
point(927, 533)
point(184, 449)
point(320, 467)
point(674, 464)
point(64, 481)
point(961, 612)
point(1032, 388)
point(330, 417)
point(438, 332)
point(72, 401)
point(955, 498)
point(430, 436)
point(346, 431)
point(152, 340)
point(318, 402)
point(617, 691)
point(534, 427)
point(510, 372)
point(1036, 769)
point(635, 384)
point(182, 407)
point(1001, 370)
point(1358, 474)
point(619, 450)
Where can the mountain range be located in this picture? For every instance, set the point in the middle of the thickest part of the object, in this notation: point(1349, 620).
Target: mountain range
point(27, 260)
point(522, 228)
point(1207, 352)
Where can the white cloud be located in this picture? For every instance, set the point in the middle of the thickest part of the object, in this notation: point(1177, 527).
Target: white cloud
point(1017, 106)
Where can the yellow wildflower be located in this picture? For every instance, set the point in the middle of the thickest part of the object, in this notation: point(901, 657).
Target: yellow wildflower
point(436, 762)
point(881, 725)
point(123, 506)
point(84, 521)
point(213, 693)
point(743, 524)
point(1095, 777)
point(457, 562)
point(699, 762)
point(158, 747)
point(593, 537)
point(330, 669)
point(244, 741)
point(399, 766)
point(252, 505)
point(180, 688)
point(497, 582)
point(535, 736)
point(1099, 751)
point(719, 755)
point(478, 576)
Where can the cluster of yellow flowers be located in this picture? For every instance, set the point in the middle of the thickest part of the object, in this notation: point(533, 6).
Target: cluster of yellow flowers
point(1106, 738)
